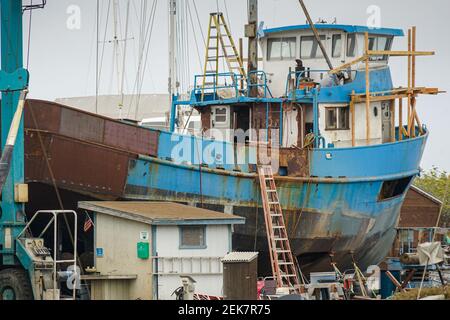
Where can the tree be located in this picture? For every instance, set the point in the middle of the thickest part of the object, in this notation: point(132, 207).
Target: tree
point(437, 183)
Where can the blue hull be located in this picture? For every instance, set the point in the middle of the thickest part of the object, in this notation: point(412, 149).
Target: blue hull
point(337, 210)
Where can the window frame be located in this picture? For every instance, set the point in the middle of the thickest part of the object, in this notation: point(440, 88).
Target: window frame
point(355, 47)
point(338, 113)
point(226, 115)
point(192, 247)
point(280, 40)
point(323, 38)
point(333, 37)
point(388, 46)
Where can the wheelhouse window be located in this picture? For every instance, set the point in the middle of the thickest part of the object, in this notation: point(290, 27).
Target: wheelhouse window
point(309, 47)
point(337, 118)
point(380, 43)
point(337, 46)
point(351, 45)
point(281, 48)
point(192, 237)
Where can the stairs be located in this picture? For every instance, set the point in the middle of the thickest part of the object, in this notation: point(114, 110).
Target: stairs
point(282, 261)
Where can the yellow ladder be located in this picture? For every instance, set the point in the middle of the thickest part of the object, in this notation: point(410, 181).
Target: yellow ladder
point(219, 36)
point(282, 260)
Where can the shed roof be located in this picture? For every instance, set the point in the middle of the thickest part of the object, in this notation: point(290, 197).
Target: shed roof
point(427, 195)
point(161, 213)
point(237, 257)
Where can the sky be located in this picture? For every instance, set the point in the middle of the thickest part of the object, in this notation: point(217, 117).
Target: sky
point(62, 52)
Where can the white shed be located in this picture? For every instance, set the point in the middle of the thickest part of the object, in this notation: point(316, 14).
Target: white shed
point(181, 240)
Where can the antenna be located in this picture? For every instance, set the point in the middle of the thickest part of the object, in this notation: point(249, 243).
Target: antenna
point(173, 83)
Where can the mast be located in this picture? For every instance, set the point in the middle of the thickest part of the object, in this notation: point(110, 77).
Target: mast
point(173, 84)
point(116, 52)
point(252, 34)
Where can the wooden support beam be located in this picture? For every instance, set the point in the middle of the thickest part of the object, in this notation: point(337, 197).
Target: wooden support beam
point(366, 49)
point(359, 99)
point(412, 53)
point(347, 65)
point(393, 115)
point(400, 119)
point(413, 82)
point(352, 110)
point(409, 82)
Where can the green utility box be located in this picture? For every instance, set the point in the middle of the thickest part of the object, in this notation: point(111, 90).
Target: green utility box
point(143, 250)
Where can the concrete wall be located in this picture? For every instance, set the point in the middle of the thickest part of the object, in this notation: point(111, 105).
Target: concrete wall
point(207, 273)
point(119, 238)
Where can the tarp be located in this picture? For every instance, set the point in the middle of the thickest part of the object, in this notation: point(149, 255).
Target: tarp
point(430, 253)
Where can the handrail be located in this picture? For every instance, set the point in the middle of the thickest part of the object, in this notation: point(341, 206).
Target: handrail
point(54, 220)
point(202, 89)
point(235, 78)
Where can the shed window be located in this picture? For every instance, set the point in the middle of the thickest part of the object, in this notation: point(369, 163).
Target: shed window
point(310, 47)
point(281, 48)
point(192, 237)
point(337, 118)
point(337, 46)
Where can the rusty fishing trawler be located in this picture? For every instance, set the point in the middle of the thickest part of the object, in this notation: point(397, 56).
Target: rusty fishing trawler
point(321, 101)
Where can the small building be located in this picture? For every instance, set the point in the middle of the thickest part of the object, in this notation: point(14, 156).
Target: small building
point(142, 249)
point(240, 276)
point(418, 221)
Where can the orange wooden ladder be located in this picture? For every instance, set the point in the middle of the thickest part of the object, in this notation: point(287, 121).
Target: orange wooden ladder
point(281, 257)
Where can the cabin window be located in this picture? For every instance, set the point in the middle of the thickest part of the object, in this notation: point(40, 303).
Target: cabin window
point(380, 43)
point(192, 237)
point(351, 45)
point(337, 118)
point(337, 46)
point(394, 188)
point(309, 47)
point(221, 115)
point(282, 48)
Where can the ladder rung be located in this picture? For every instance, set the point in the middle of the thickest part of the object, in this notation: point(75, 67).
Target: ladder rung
point(278, 227)
point(273, 203)
point(282, 251)
point(289, 276)
point(281, 239)
point(285, 263)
